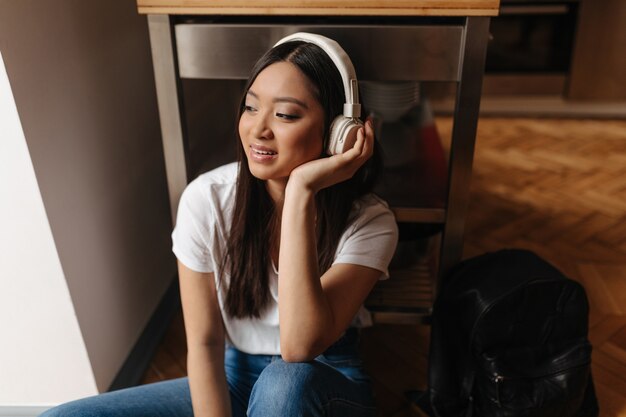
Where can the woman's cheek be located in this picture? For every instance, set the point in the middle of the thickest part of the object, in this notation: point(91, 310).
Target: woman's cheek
point(241, 127)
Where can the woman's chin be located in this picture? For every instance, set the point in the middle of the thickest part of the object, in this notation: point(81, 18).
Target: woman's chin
point(258, 172)
point(265, 173)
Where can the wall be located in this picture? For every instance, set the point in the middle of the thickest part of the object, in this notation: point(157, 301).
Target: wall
point(82, 80)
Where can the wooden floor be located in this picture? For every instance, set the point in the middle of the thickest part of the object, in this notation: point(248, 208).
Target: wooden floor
point(557, 187)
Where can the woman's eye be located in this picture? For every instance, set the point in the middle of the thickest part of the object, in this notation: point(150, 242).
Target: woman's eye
point(287, 116)
point(249, 108)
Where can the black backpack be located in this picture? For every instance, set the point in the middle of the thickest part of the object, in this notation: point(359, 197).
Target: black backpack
point(509, 338)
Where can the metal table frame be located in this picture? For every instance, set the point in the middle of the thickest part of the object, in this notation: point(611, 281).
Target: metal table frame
point(171, 58)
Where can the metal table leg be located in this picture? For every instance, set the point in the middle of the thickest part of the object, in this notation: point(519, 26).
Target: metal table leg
point(463, 139)
point(169, 97)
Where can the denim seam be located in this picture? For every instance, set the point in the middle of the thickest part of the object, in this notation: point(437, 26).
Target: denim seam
point(351, 403)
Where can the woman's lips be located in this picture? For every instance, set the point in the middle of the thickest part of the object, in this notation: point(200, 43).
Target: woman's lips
point(262, 153)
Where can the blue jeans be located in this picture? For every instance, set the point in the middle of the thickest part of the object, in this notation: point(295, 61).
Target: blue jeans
point(333, 384)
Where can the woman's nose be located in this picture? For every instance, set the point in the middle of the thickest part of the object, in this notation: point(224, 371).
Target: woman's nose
point(261, 128)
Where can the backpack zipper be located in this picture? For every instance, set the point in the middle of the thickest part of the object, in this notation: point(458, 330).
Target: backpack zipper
point(497, 379)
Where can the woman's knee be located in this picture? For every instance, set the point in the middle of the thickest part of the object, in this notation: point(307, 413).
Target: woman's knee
point(73, 409)
point(161, 399)
point(51, 412)
point(283, 388)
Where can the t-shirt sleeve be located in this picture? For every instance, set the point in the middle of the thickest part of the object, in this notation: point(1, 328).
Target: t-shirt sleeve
point(190, 235)
point(371, 239)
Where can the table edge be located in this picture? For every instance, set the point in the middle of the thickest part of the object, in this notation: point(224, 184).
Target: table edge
point(314, 11)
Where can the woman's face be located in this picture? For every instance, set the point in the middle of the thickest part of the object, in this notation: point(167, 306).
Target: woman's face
point(282, 125)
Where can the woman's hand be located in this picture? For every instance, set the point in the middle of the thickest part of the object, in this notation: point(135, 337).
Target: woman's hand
point(322, 173)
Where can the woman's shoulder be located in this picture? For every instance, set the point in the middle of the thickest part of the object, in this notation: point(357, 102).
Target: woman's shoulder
point(220, 178)
point(215, 187)
point(371, 236)
point(370, 210)
point(223, 175)
point(370, 205)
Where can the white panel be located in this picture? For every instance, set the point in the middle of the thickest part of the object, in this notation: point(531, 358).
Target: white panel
point(43, 359)
point(21, 411)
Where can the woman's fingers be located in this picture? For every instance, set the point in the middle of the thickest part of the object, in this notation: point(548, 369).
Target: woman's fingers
point(360, 141)
point(363, 145)
point(368, 146)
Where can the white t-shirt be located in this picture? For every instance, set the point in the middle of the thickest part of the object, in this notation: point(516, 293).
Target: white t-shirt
point(199, 242)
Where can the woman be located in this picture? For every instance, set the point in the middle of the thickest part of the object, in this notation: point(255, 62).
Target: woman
point(284, 206)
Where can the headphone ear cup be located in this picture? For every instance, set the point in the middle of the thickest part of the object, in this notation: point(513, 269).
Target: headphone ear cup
point(343, 132)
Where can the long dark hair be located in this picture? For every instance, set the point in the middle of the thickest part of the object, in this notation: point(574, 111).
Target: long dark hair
point(248, 253)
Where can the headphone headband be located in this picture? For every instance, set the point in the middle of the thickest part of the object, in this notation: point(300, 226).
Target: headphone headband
point(351, 107)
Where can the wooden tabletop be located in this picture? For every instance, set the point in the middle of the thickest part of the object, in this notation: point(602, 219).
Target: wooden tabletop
point(323, 7)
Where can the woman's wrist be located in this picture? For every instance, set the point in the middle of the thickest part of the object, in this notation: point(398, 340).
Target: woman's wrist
point(298, 188)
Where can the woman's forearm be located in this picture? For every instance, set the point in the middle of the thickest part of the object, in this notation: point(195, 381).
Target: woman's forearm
point(307, 321)
point(304, 313)
point(207, 382)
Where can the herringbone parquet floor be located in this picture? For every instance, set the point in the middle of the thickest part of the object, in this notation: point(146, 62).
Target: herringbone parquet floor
point(557, 187)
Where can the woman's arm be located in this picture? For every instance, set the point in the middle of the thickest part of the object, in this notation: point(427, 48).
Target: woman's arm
point(205, 344)
point(313, 312)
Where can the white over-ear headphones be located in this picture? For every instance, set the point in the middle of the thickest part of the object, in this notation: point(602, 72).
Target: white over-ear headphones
point(343, 129)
